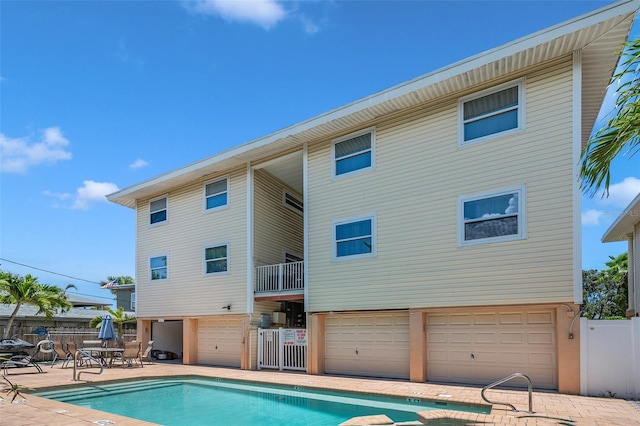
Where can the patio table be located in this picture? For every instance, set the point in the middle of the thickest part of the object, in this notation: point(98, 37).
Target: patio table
point(105, 355)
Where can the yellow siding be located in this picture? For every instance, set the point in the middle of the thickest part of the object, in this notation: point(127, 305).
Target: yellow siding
point(187, 291)
point(420, 173)
point(276, 227)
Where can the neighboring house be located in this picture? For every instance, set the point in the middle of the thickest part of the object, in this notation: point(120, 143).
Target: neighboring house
point(627, 228)
point(428, 232)
point(79, 316)
point(125, 296)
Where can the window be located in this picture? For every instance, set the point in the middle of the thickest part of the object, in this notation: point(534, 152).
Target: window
point(133, 301)
point(353, 153)
point(215, 194)
point(215, 259)
point(354, 238)
point(158, 210)
point(158, 266)
point(293, 202)
point(491, 114)
point(292, 257)
point(492, 217)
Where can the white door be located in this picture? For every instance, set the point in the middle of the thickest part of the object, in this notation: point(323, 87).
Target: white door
point(220, 342)
point(482, 347)
point(375, 345)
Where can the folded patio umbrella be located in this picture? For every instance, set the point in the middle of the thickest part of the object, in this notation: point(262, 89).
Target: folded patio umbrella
point(107, 331)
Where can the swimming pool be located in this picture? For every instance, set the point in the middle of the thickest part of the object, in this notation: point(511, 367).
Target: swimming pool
point(206, 401)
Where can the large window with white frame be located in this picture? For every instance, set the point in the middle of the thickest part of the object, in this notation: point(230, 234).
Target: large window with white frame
point(216, 259)
point(491, 113)
point(354, 153)
point(158, 268)
point(354, 238)
point(215, 194)
point(158, 211)
point(492, 217)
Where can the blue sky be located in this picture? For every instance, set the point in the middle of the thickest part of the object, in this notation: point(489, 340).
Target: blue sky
point(97, 96)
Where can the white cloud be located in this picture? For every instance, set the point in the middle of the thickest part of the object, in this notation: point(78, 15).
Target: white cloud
point(93, 192)
point(18, 155)
point(139, 163)
point(58, 195)
point(621, 194)
point(265, 13)
point(592, 217)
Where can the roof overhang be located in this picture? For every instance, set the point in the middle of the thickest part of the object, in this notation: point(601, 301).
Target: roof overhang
point(598, 35)
point(622, 228)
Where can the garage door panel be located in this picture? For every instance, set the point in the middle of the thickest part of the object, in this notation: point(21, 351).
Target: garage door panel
point(219, 342)
point(367, 345)
point(501, 342)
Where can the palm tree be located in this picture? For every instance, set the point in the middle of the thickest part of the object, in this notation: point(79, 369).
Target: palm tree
point(118, 317)
point(18, 290)
point(622, 131)
point(121, 280)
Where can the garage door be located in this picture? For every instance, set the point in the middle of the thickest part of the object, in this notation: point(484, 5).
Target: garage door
point(220, 342)
point(480, 348)
point(375, 345)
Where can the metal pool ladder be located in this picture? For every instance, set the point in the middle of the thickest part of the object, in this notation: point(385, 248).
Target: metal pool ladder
point(75, 363)
point(506, 379)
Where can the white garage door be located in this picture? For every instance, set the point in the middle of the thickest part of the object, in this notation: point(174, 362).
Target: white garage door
point(480, 348)
point(220, 342)
point(375, 345)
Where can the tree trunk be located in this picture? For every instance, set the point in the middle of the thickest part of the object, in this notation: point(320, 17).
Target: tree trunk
point(7, 327)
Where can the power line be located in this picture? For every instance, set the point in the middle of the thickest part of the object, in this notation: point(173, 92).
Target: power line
point(50, 272)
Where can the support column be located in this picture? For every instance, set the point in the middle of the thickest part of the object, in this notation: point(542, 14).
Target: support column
point(190, 341)
point(315, 344)
point(568, 349)
point(418, 346)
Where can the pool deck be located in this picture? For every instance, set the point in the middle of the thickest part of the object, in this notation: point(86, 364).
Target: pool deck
point(550, 408)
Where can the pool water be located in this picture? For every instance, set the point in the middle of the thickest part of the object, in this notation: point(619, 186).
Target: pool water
point(205, 401)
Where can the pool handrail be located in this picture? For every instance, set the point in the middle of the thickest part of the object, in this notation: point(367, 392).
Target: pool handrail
point(76, 378)
point(506, 379)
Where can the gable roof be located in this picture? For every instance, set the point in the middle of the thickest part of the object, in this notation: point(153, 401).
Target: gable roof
point(598, 34)
point(622, 228)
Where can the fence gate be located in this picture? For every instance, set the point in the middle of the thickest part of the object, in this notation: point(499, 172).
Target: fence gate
point(282, 348)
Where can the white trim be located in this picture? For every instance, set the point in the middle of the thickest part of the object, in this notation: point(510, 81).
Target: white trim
point(204, 259)
point(522, 222)
point(149, 267)
point(305, 223)
point(204, 193)
point(520, 84)
point(250, 239)
point(372, 131)
point(334, 248)
point(575, 189)
point(166, 208)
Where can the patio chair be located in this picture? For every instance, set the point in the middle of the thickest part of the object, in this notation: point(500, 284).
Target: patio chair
point(147, 353)
point(83, 360)
point(20, 361)
point(59, 352)
point(131, 354)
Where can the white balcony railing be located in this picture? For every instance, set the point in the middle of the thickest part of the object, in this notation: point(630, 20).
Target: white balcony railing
point(283, 277)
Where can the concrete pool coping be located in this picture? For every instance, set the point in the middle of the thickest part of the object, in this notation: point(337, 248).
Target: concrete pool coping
point(549, 407)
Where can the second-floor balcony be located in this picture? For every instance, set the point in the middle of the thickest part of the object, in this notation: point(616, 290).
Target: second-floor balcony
point(283, 281)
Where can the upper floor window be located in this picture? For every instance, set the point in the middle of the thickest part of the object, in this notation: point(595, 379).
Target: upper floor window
point(292, 202)
point(158, 210)
point(353, 153)
point(491, 113)
point(354, 238)
point(158, 268)
point(494, 217)
point(215, 194)
point(215, 259)
point(133, 301)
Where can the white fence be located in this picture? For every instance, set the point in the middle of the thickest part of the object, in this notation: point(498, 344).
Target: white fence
point(610, 358)
point(280, 277)
point(282, 348)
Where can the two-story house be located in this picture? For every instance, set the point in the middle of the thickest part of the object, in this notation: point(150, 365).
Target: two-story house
point(428, 232)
